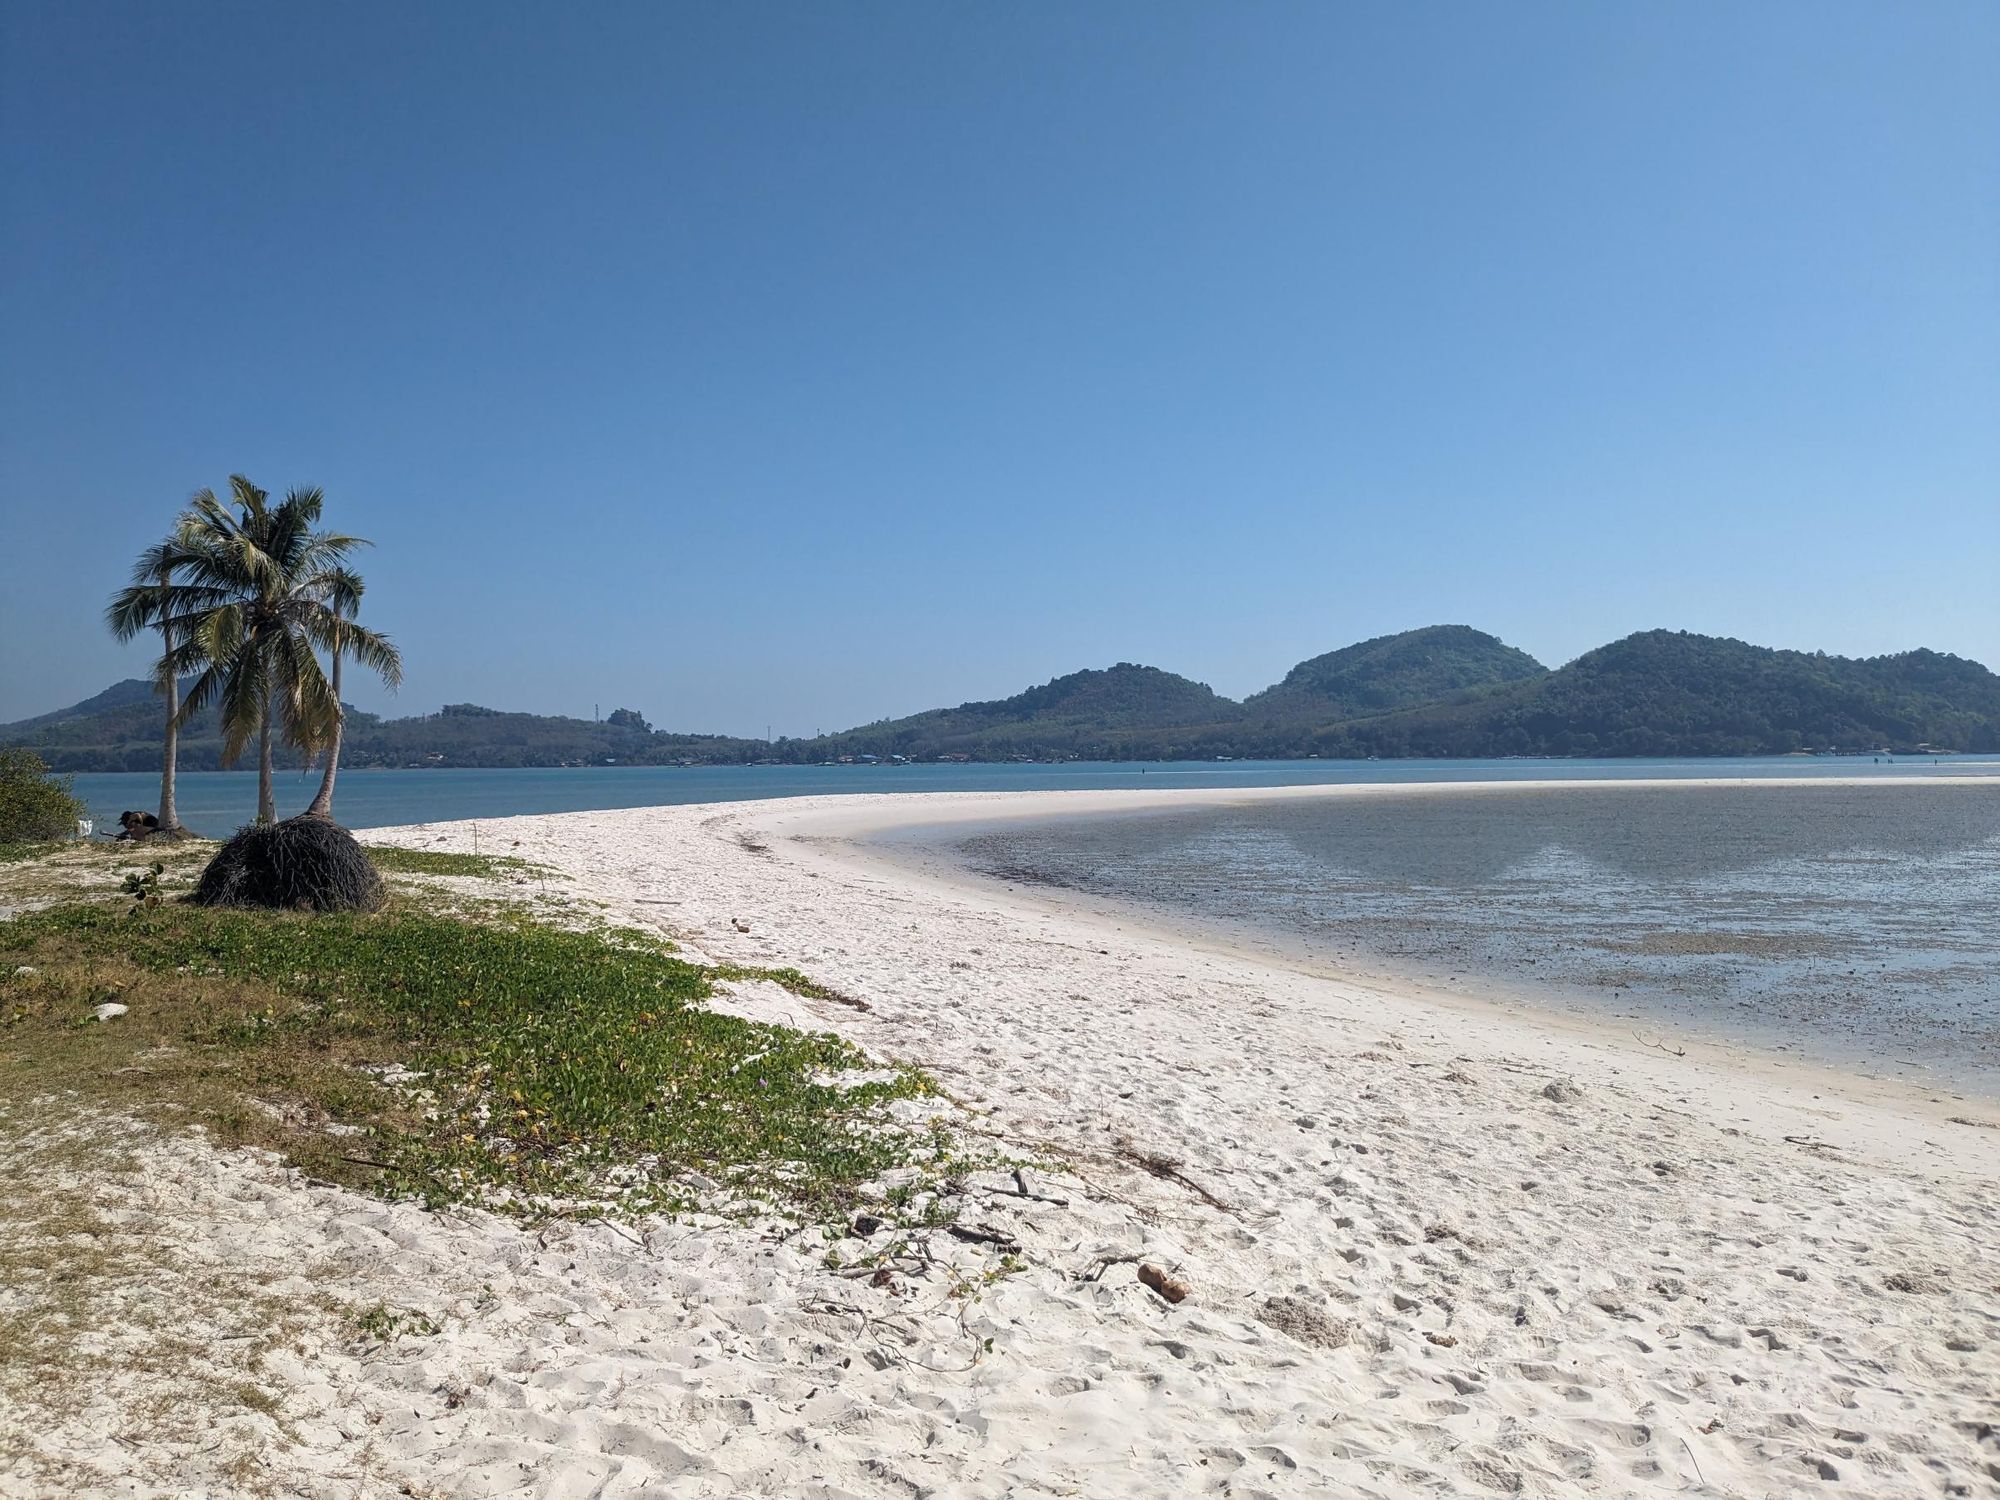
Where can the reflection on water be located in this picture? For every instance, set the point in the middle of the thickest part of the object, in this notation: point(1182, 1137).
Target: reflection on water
point(1835, 921)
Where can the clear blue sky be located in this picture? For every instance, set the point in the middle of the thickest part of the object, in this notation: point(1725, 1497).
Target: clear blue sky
point(805, 364)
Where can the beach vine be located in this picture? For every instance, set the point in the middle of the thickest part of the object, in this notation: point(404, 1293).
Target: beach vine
point(527, 1068)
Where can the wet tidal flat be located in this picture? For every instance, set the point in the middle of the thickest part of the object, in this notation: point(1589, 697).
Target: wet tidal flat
point(1846, 924)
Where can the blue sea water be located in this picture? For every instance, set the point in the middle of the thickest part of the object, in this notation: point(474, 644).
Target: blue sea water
point(217, 802)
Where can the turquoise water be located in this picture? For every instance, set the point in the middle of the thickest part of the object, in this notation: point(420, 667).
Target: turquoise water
point(216, 802)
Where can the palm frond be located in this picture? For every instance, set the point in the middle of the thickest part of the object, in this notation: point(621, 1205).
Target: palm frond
point(247, 495)
point(133, 609)
point(335, 589)
point(200, 693)
point(373, 651)
point(311, 713)
point(188, 655)
point(241, 706)
point(323, 551)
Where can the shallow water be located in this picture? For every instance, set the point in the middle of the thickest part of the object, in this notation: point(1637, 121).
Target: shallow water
point(1838, 922)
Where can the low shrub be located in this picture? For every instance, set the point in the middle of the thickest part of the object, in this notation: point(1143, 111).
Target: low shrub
point(34, 806)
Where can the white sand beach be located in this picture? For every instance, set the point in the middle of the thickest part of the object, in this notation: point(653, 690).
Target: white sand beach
point(1430, 1246)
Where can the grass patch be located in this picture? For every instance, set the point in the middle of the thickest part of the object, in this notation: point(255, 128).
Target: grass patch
point(56, 1252)
point(74, 851)
point(390, 859)
point(802, 985)
point(92, 869)
point(525, 1067)
point(383, 1324)
point(97, 1293)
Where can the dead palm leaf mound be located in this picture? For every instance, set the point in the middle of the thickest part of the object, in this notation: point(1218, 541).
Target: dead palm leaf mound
point(301, 864)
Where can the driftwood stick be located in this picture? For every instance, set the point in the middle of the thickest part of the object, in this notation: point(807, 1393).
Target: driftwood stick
point(979, 1234)
point(1022, 1190)
point(1105, 1263)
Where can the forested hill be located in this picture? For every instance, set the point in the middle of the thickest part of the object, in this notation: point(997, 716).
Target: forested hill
point(1394, 671)
point(1667, 692)
point(1454, 691)
point(125, 736)
point(1442, 691)
point(117, 730)
point(1141, 711)
point(107, 711)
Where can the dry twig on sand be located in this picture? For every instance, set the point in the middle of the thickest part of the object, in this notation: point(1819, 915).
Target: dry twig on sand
point(1022, 1190)
point(980, 1234)
point(1156, 1164)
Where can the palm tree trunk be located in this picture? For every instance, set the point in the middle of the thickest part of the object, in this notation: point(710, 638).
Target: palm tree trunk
point(267, 802)
point(170, 818)
point(322, 804)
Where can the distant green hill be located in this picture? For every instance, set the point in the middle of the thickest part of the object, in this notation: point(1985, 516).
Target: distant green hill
point(1667, 692)
point(465, 734)
point(1392, 672)
point(132, 693)
point(1139, 710)
point(1445, 690)
point(119, 730)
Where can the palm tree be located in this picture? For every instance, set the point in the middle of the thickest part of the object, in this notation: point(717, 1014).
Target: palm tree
point(281, 591)
point(157, 598)
point(343, 598)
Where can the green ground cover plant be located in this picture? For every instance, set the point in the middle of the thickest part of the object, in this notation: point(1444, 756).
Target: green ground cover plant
point(390, 859)
point(526, 1067)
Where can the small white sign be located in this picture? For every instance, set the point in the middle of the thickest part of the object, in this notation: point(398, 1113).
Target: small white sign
point(83, 827)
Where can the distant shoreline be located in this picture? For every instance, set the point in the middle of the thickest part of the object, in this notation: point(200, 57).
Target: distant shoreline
point(1437, 691)
point(215, 802)
point(1802, 757)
